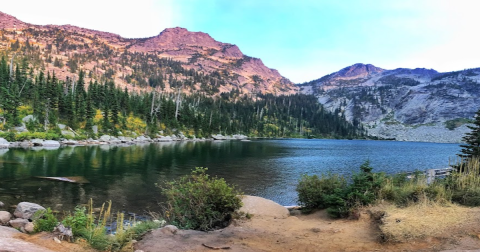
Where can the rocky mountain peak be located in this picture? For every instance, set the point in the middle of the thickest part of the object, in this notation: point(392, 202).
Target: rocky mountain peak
point(182, 37)
point(10, 22)
point(358, 70)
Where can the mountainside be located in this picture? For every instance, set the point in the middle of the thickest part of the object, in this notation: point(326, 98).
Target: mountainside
point(405, 104)
point(176, 55)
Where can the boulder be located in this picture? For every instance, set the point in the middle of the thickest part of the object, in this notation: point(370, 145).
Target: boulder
point(26, 210)
point(68, 133)
point(141, 139)
point(263, 207)
point(2, 204)
point(5, 217)
point(18, 223)
point(95, 129)
point(28, 118)
point(4, 144)
point(22, 128)
point(29, 227)
point(37, 142)
point(105, 138)
point(169, 229)
point(51, 143)
point(61, 126)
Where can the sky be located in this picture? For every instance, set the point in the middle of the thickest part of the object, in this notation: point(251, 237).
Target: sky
point(302, 39)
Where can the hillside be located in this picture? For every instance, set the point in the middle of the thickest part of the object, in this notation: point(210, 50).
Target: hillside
point(142, 62)
point(405, 104)
point(179, 82)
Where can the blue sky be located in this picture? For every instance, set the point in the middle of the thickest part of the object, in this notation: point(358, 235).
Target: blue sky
point(303, 39)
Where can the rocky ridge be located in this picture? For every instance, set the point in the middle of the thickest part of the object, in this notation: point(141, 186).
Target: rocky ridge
point(105, 56)
point(403, 104)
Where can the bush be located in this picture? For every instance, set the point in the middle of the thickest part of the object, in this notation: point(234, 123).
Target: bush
point(197, 201)
point(340, 198)
point(47, 223)
point(313, 190)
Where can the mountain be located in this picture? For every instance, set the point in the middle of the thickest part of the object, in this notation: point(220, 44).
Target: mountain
point(141, 62)
point(403, 104)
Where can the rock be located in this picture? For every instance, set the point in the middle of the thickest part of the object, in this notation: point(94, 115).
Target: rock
point(5, 217)
point(2, 204)
point(219, 137)
point(141, 139)
point(18, 223)
point(4, 144)
point(68, 133)
point(57, 240)
point(263, 207)
point(51, 143)
point(28, 118)
point(169, 229)
point(22, 128)
point(95, 129)
point(37, 142)
point(29, 227)
point(26, 210)
point(105, 138)
point(61, 126)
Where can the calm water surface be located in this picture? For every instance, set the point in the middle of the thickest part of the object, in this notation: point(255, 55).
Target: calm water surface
point(266, 168)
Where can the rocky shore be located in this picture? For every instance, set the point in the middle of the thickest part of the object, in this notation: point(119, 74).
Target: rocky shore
point(111, 140)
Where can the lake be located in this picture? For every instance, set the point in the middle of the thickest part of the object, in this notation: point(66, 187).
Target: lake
point(268, 168)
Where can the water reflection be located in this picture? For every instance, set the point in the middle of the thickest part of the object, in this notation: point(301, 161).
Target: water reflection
point(127, 174)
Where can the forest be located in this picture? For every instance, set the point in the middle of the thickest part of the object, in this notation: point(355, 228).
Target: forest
point(114, 110)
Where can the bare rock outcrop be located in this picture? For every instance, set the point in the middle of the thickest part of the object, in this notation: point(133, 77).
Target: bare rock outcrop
point(259, 206)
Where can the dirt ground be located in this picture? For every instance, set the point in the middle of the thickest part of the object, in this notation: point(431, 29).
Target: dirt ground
point(314, 232)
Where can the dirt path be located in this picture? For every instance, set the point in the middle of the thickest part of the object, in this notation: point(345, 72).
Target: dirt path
point(314, 232)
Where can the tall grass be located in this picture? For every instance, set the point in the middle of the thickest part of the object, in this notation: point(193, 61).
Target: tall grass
point(465, 182)
point(92, 227)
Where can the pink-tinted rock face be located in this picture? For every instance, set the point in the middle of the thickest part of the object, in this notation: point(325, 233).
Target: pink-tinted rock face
point(195, 50)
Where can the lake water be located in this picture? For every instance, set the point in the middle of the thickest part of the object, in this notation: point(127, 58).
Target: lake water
point(267, 168)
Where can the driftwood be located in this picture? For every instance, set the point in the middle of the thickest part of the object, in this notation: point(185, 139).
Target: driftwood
point(214, 248)
point(64, 233)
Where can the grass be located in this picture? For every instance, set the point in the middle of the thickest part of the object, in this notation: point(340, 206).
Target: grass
point(424, 219)
point(92, 228)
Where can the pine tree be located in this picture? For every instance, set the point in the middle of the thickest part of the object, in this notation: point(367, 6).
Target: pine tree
point(471, 148)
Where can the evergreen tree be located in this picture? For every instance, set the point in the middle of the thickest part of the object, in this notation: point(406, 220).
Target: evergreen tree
point(471, 148)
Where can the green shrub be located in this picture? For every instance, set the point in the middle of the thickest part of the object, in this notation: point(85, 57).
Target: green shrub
point(78, 221)
point(9, 136)
point(340, 198)
point(313, 190)
point(46, 223)
point(198, 201)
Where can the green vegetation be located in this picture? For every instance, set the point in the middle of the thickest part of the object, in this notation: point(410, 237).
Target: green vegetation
point(198, 201)
point(44, 221)
point(366, 188)
point(457, 122)
point(113, 109)
point(87, 225)
point(471, 148)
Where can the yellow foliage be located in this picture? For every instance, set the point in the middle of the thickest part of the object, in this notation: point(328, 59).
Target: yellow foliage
point(25, 110)
point(98, 117)
point(135, 124)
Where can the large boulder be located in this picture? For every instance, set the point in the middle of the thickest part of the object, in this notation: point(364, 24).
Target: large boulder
point(5, 217)
point(105, 138)
point(68, 133)
point(51, 143)
point(4, 144)
point(37, 142)
point(263, 207)
point(26, 210)
point(18, 223)
point(28, 118)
